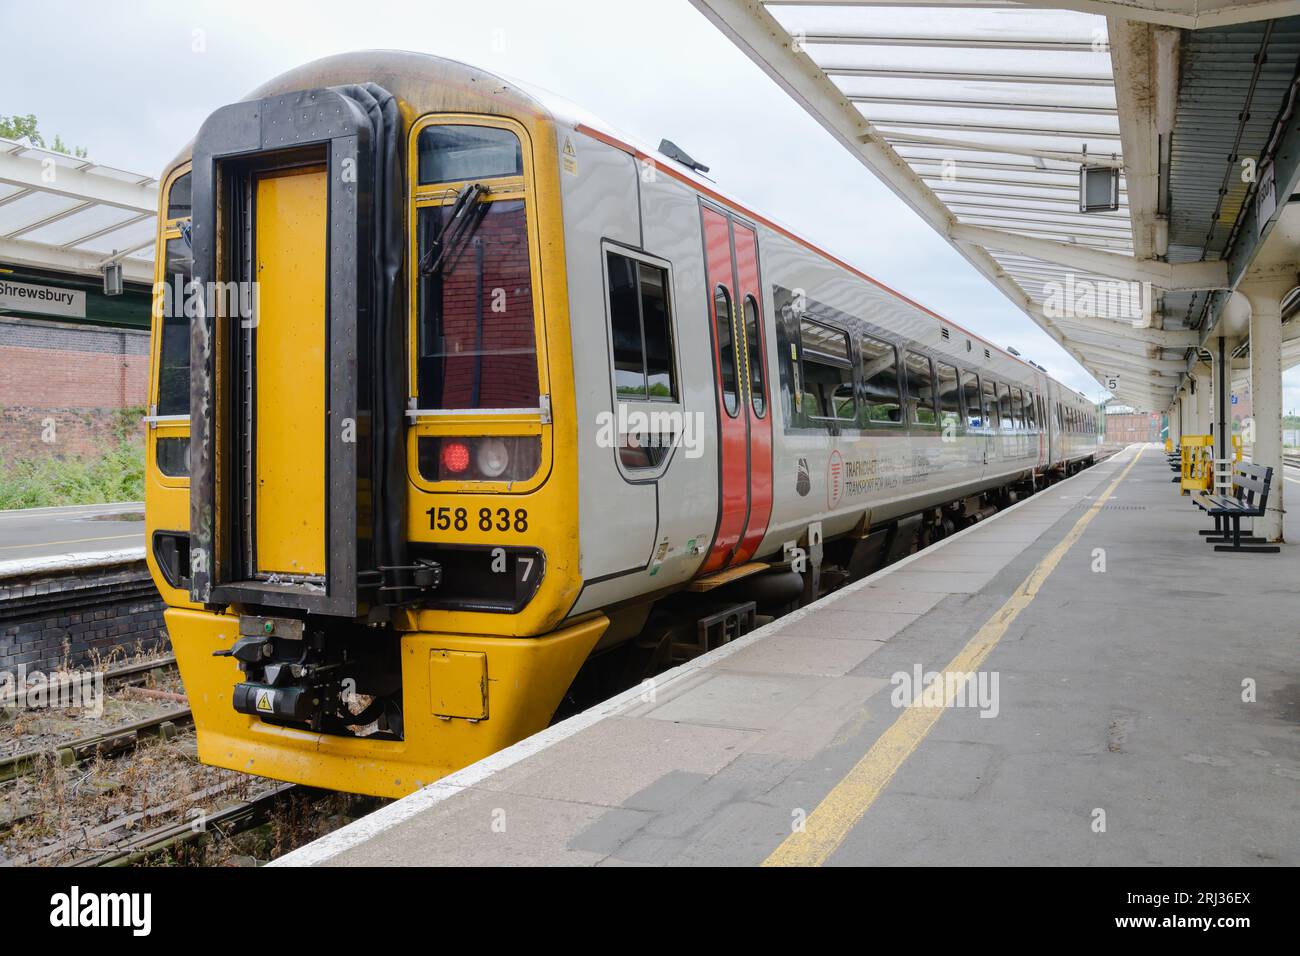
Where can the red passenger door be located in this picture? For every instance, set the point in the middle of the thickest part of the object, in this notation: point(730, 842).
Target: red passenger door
point(740, 379)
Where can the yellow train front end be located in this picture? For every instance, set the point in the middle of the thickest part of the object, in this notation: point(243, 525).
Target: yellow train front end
point(361, 491)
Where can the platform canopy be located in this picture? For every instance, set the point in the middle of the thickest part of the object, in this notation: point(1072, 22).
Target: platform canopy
point(987, 117)
point(67, 214)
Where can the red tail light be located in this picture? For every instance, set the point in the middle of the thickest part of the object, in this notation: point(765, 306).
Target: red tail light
point(455, 457)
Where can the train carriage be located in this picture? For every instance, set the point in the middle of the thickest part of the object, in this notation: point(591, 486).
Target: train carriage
point(478, 398)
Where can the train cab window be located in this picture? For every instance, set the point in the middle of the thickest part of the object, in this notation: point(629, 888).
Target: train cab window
point(880, 380)
point(178, 198)
point(174, 352)
point(641, 329)
point(726, 350)
point(754, 357)
point(476, 339)
point(949, 395)
point(920, 389)
point(970, 386)
point(991, 403)
point(1004, 406)
point(454, 154)
point(827, 372)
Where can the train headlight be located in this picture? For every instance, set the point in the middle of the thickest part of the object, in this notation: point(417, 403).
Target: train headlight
point(493, 457)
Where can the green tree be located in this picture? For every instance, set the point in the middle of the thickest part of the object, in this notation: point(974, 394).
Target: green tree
point(19, 126)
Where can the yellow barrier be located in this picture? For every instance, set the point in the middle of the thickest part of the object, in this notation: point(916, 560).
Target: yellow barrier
point(1169, 446)
point(1197, 460)
point(1236, 446)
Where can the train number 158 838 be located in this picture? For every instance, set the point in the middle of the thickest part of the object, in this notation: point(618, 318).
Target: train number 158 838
point(447, 518)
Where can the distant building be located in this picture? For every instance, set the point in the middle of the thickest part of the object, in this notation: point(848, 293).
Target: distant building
point(1124, 425)
point(74, 362)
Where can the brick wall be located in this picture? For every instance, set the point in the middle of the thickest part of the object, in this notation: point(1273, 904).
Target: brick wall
point(72, 377)
point(70, 616)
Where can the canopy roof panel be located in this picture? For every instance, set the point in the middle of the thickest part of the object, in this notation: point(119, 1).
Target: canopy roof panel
point(69, 214)
point(981, 113)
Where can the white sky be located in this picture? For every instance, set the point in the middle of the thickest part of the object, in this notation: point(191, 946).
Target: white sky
point(126, 82)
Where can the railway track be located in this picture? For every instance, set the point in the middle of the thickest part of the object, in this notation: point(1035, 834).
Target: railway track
point(114, 741)
point(227, 821)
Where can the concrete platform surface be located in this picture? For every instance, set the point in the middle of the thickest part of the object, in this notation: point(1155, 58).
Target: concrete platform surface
point(1134, 699)
point(41, 532)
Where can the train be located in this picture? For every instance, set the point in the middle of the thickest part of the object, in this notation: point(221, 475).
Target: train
point(465, 408)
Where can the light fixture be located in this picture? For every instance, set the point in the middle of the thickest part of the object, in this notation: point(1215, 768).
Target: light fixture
point(1098, 187)
point(112, 278)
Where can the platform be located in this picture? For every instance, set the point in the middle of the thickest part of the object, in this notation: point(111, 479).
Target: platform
point(75, 529)
point(1117, 732)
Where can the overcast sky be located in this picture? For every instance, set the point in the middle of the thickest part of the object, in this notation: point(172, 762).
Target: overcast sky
point(131, 82)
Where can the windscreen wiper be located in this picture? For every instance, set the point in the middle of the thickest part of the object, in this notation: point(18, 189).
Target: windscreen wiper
point(463, 219)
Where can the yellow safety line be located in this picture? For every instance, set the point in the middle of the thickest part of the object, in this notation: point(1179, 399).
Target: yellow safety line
point(50, 544)
point(842, 808)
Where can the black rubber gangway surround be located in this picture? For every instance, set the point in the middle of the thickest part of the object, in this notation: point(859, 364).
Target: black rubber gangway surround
point(357, 132)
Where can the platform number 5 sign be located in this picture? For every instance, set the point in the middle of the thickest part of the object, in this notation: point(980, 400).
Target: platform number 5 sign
point(1112, 382)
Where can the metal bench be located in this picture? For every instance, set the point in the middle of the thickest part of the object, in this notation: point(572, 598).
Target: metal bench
point(1249, 498)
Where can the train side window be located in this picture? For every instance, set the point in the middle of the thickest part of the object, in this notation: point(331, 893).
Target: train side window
point(754, 357)
point(726, 350)
point(949, 395)
point(880, 380)
point(991, 402)
point(1004, 405)
point(920, 389)
point(641, 328)
point(827, 372)
point(1018, 407)
point(970, 384)
point(1029, 410)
